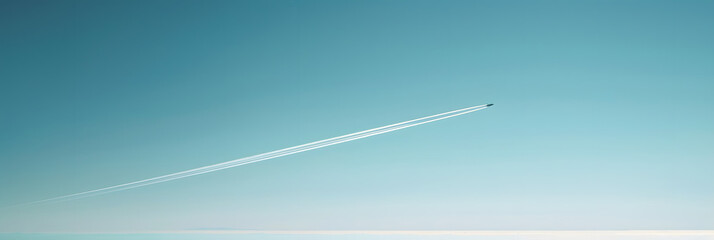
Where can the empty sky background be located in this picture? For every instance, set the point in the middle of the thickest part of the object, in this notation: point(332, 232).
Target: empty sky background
point(603, 115)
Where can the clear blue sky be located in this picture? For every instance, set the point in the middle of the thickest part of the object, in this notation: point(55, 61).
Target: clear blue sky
point(603, 115)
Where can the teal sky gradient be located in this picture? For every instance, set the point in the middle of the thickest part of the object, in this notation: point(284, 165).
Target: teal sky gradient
point(603, 115)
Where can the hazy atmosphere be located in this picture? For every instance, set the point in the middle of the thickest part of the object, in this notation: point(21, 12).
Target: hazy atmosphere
point(602, 118)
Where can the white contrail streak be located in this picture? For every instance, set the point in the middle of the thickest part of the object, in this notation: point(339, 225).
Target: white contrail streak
point(263, 156)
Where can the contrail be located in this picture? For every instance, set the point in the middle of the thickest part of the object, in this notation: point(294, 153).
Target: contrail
point(263, 156)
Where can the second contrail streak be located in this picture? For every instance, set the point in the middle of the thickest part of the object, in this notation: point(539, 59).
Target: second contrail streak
point(265, 156)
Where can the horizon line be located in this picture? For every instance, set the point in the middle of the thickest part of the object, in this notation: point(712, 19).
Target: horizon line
point(669, 232)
